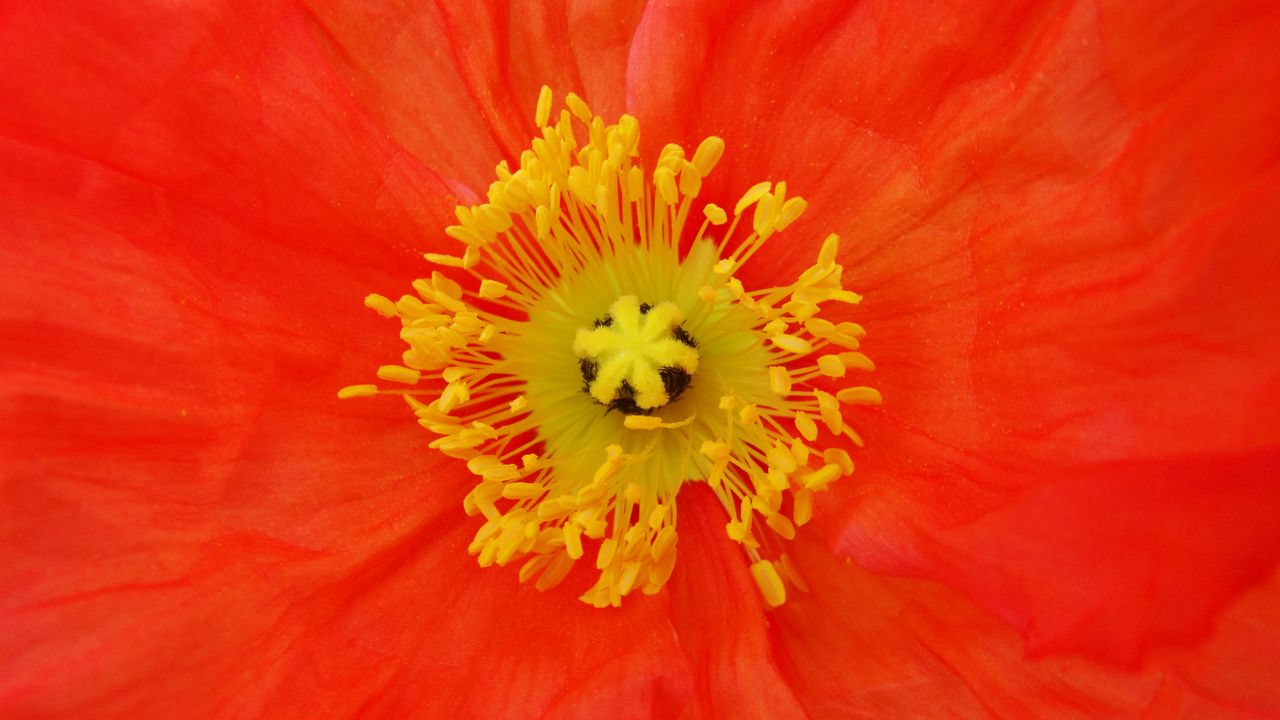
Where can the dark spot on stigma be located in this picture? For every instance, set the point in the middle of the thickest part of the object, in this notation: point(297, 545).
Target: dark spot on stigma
point(625, 402)
point(589, 369)
point(675, 381)
point(683, 336)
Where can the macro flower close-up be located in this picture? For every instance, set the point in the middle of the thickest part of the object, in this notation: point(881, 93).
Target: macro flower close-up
point(639, 359)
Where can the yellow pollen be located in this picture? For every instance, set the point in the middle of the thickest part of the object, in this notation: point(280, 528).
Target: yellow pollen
point(771, 587)
point(354, 391)
point(584, 284)
point(396, 373)
point(648, 422)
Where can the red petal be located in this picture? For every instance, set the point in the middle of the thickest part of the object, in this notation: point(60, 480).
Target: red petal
point(831, 97)
point(217, 174)
point(914, 648)
point(720, 621)
point(456, 82)
point(1232, 672)
point(1058, 216)
point(862, 645)
point(194, 523)
point(1089, 404)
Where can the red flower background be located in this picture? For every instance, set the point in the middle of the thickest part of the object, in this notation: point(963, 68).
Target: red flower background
point(1062, 216)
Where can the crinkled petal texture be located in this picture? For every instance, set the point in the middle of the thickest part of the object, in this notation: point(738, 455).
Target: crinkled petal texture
point(1062, 217)
point(194, 525)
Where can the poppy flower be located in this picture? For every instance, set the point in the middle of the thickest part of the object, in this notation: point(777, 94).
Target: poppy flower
point(1060, 219)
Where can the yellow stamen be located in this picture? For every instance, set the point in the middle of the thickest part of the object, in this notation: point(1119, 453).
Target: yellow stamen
point(355, 391)
point(649, 422)
point(859, 396)
point(588, 350)
point(382, 305)
point(771, 587)
point(396, 373)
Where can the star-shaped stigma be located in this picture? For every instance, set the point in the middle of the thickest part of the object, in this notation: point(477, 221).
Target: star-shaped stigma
point(638, 357)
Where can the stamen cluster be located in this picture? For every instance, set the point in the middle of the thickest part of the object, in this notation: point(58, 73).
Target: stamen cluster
point(498, 336)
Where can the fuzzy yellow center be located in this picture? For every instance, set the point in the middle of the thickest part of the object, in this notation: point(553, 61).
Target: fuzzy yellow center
point(585, 285)
point(637, 357)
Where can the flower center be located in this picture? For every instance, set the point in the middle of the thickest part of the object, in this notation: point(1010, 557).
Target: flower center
point(583, 283)
point(638, 357)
